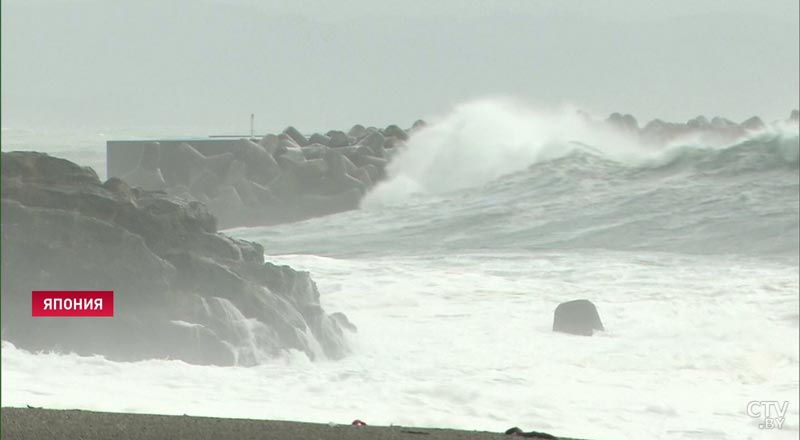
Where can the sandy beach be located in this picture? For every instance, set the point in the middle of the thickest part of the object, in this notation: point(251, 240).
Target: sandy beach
point(35, 424)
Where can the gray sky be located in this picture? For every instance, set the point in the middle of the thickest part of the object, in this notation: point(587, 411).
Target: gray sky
point(324, 64)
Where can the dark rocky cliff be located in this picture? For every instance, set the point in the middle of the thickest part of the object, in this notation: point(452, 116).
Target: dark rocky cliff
point(182, 290)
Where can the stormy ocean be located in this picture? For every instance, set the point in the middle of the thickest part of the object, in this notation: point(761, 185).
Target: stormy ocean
point(453, 266)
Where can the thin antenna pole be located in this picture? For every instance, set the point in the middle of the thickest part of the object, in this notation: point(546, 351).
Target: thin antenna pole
point(252, 119)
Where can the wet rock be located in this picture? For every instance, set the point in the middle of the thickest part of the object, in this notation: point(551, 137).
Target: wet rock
point(121, 190)
point(41, 169)
point(182, 291)
point(578, 317)
point(343, 322)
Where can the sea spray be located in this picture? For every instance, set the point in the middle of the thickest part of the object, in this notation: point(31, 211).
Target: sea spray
point(248, 334)
point(482, 140)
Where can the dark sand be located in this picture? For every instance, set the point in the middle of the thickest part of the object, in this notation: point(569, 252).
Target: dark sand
point(38, 424)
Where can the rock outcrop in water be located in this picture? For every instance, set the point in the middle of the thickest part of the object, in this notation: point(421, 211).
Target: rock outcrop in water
point(578, 317)
point(182, 290)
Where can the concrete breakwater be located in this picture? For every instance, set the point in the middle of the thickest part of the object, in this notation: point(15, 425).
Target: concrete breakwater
point(276, 179)
point(715, 130)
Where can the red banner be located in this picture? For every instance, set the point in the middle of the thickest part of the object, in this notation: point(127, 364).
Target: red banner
point(72, 303)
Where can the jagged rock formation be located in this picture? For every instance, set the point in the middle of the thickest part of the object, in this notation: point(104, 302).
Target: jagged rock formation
point(182, 290)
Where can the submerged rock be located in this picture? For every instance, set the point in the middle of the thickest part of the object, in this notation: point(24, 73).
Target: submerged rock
point(578, 317)
point(182, 290)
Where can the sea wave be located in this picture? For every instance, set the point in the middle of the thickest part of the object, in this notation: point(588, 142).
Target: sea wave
point(553, 193)
point(484, 140)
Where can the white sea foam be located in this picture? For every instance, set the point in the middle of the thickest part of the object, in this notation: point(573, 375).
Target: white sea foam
point(478, 142)
point(465, 341)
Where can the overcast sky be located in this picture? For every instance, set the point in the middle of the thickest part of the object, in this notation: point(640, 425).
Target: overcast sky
point(326, 64)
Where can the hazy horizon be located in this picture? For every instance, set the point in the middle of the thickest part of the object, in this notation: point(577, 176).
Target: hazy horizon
point(84, 63)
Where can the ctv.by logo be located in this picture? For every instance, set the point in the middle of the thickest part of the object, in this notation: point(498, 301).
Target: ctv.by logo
point(772, 412)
